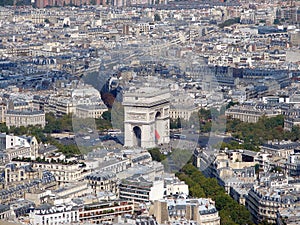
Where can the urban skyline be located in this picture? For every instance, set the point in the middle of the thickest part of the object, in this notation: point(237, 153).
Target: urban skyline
point(149, 112)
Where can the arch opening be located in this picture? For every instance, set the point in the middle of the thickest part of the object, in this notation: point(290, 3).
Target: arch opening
point(137, 136)
point(157, 127)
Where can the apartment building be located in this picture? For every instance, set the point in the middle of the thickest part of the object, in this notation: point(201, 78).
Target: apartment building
point(264, 201)
point(47, 214)
point(173, 186)
point(83, 107)
point(290, 216)
point(182, 111)
point(39, 197)
point(19, 105)
point(24, 118)
point(264, 160)
point(9, 141)
point(73, 190)
point(230, 169)
point(90, 111)
point(14, 173)
point(114, 165)
point(17, 189)
point(182, 106)
point(292, 165)
point(198, 211)
point(140, 220)
point(249, 114)
point(105, 211)
point(280, 149)
point(5, 212)
point(239, 191)
point(3, 109)
point(17, 146)
point(103, 181)
point(59, 105)
point(138, 189)
point(16, 152)
point(63, 172)
point(290, 122)
point(139, 158)
point(21, 207)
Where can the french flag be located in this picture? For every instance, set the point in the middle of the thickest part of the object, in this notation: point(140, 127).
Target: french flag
point(157, 135)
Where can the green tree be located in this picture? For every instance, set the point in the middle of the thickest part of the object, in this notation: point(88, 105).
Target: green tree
point(37, 131)
point(229, 210)
point(107, 115)
point(3, 128)
point(173, 124)
point(265, 223)
point(295, 133)
point(255, 134)
point(206, 127)
point(156, 154)
point(229, 22)
point(204, 114)
point(117, 116)
point(103, 124)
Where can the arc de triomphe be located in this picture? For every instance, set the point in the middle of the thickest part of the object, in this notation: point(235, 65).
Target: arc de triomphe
point(146, 112)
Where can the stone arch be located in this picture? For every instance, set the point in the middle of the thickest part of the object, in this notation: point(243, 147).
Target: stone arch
point(157, 128)
point(148, 110)
point(137, 136)
point(158, 114)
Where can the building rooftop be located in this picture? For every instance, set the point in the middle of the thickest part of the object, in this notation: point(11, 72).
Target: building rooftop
point(21, 113)
point(101, 176)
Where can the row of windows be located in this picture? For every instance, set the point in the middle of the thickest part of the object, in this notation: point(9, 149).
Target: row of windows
point(60, 217)
point(25, 152)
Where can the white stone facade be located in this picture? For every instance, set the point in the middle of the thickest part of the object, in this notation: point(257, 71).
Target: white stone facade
point(25, 118)
point(54, 215)
point(147, 116)
point(64, 173)
point(90, 111)
point(197, 211)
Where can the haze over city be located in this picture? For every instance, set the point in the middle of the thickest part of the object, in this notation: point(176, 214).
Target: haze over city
point(149, 112)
